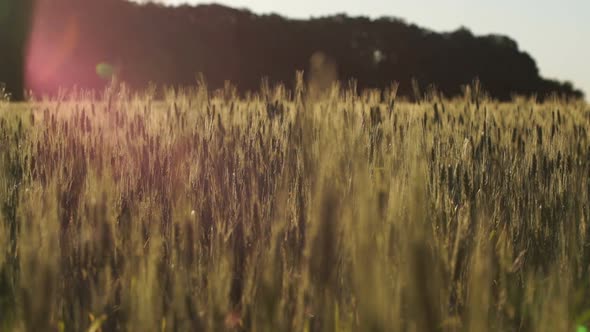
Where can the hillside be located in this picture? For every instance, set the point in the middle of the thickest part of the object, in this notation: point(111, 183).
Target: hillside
point(165, 45)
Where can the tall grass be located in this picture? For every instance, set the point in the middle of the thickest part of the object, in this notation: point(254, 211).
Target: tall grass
point(293, 211)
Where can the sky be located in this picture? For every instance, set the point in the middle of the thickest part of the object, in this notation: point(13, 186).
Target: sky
point(555, 33)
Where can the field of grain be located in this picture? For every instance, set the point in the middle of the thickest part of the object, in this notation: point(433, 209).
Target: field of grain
point(293, 211)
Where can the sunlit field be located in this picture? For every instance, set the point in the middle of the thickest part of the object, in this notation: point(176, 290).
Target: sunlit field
point(299, 210)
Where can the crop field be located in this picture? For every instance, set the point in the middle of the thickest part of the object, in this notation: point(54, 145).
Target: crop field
point(293, 211)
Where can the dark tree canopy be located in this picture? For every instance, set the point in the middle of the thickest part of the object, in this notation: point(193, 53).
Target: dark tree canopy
point(81, 42)
point(14, 30)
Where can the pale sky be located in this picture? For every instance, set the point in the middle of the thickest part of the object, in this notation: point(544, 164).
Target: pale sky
point(555, 32)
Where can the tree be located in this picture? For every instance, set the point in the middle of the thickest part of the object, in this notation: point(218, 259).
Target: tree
point(15, 17)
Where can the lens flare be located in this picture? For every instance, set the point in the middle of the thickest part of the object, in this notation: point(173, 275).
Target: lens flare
point(105, 70)
point(50, 49)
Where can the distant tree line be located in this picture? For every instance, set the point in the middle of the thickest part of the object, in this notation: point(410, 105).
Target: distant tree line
point(169, 46)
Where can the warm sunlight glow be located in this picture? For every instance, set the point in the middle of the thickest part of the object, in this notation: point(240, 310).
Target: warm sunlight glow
point(50, 53)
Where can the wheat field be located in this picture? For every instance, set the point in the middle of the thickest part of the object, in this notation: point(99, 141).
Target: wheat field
point(293, 211)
